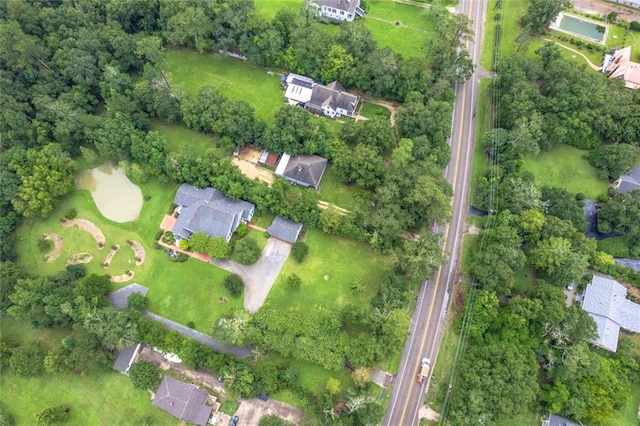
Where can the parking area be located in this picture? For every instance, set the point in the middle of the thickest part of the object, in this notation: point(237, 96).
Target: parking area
point(251, 411)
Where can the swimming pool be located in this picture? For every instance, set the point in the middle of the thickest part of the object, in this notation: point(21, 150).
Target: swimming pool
point(579, 27)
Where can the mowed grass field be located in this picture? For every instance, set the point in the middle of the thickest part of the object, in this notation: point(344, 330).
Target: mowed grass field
point(180, 137)
point(565, 167)
point(100, 398)
point(183, 292)
point(234, 78)
point(340, 261)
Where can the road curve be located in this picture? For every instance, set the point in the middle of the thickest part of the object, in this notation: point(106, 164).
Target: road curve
point(433, 298)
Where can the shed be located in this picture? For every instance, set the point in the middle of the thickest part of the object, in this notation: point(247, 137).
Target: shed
point(126, 357)
point(285, 229)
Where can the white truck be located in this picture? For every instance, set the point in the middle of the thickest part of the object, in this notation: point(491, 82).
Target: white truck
point(424, 370)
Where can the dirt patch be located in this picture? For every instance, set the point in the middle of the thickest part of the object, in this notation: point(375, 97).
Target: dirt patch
point(251, 411)
point(138, 250)
point(595, 7)
point(78, 258)
point(87, 226)
point(253, 171)
point(250, 153)
point(121, 278)
point(474, 230)
point(57, 247)
point(427, 413)
point(112, 252)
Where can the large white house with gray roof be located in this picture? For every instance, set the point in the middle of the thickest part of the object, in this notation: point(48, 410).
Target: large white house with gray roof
point(629, 181)
point(210, 211)
point(606, 302)
point(338, 10)
point(331, 100)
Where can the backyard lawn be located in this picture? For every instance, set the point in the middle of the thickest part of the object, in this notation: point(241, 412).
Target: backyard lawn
point(565, 167)
point(180, 137)
point(327, 273)
point(269, 8)
point(183, 292)
point(335, 192)
point(234, 78)
point(101, 398)
point(371, 110)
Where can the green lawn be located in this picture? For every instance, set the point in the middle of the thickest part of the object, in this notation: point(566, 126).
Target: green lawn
point(335, 192)
point(183, 292)
point(483, 125)
point(615, 246)
point(629, 414)
point(565, 167)
point(234, 78)
point(269, 8)
point(180, 137)
point(341, 261)
point(101, 398)
point(371, 110)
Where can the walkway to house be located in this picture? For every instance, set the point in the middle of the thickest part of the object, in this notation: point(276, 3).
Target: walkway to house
point(259, 277)
point(591, 64)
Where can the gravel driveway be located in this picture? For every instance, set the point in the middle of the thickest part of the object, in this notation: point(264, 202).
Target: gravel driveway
point(259, 277)
point(252, 410)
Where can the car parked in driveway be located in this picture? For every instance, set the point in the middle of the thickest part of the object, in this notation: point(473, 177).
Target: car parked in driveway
point(234, 421)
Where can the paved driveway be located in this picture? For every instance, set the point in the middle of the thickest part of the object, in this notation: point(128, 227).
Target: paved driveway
point(252, 410)
point(259, 277)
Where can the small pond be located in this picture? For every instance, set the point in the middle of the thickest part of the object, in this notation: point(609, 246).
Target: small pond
point(117, 198)
point(582, 28)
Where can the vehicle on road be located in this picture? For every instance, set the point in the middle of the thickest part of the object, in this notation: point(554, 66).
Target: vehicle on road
point(424, 370)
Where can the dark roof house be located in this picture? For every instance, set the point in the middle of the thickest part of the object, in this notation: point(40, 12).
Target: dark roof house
point(628, 182)
point(553, 420)
point(305, 170)
point(332, 100)
point(285, 229)
point(210, 211)
point(605, 301)
point(126, 357)
point(183, 400)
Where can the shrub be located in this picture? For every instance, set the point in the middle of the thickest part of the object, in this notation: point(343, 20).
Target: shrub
point(218, 248)
point(28, 359)
point(242, 230)
point(145, 375)
point(76, 271)
point(357, 286)
point(580, 196)
point(191, 324)
point(172, 208)
point(147, 197)
point(182, 257)
point(234, 285)
point(247, 251)
point(634, 25)
point(137, 301)
point(168, 238)
point(158, 234)
point(183, 244)
point(71, 213)
point(54, 415)
point(176, 215)
point(157, 246)
point(299, 251)
point(45, 246)
point(294, 282)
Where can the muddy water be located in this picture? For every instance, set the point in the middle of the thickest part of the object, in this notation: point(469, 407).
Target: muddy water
point(116, 197)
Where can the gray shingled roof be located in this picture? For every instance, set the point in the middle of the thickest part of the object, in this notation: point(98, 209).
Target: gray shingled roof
point(285, 229)
point(347, 6)
point(605, 300)
point(332, 96)
point(554, 420)
point(125, 358)
point(183, 400)
point(306, 169)
point(209, 211)
point(630, 181)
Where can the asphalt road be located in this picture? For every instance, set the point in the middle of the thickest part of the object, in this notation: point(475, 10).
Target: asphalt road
point(433, 298)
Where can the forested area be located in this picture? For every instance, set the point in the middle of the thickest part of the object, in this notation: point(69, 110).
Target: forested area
point(81, 82)
point(526, 351)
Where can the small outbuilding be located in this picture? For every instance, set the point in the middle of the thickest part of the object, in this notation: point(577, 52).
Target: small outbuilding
point(183, 400)
point(553, 420)
point(285, 229)
point(126, 357)
point(629, 181)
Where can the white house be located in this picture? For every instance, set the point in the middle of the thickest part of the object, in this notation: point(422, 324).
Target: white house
point(621, 66)
point(330, 100)
point(338, 10)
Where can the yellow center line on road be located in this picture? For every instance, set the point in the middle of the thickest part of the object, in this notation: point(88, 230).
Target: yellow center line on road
point(426, 325)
